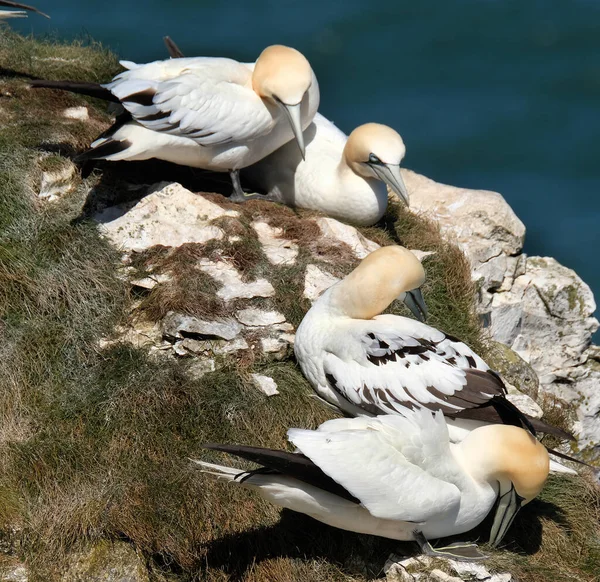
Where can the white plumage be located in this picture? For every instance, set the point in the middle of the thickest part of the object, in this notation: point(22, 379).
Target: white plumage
point(343, 177)
point(211, 113)
point(397, 474)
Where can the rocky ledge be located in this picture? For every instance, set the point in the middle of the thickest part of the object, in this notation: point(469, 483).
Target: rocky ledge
point(537, 307)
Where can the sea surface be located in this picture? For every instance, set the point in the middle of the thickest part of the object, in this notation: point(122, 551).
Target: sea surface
point(501, 95)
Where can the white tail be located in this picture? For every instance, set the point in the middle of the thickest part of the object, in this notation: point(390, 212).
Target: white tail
point(220, 471)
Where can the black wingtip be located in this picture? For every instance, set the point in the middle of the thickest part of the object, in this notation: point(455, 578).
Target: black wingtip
point(174, 51)
point(8, 4)
point(510, 414)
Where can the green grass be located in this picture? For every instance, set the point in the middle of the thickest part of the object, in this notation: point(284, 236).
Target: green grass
point(95, 437)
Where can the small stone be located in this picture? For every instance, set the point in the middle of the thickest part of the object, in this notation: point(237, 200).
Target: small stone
point(279, 251)
point(347, 234)
point(396, 568)
point(316, 281)
point(200, 367)
point(223, 348)
point(177, 326)
point(265, 384)
point(79, 113)
point(525, 404)
point(277, 345)
point(151, 281)
point(14, 574)
point(233, 287)
point(471, 570)
point(259, 318)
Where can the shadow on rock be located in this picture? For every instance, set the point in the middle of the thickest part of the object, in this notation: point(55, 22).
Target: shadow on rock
point(122, 182)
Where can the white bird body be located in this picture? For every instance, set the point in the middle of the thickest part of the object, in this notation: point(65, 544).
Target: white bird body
point(369, 364)
point(417, 366)
point(206, 112)
point(324, 180)
point(399, 473)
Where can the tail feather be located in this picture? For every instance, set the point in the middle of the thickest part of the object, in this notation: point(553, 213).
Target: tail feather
point(89, 89)
point(542, 426)
point(222, 472)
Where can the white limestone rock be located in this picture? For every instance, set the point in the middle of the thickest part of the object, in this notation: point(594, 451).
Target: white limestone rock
point(547, 317)
point(78, 113)
point(316, 280)
point(265, 384)
point(169, 215)
point(347, 234)
point(482, 222)
point(178, 326)
point(279, 251)
point(259, 318)
point(233, 287)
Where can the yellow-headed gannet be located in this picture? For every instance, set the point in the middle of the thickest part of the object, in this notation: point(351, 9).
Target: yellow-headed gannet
point(345, 177)
point(208, 112)
point(399, 477)
point(368, 364)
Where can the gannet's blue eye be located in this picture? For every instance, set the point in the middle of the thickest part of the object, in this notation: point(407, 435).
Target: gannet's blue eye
point(373, 159)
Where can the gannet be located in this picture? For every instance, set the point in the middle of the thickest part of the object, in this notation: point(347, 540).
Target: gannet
point(344, 177)
point(17, 13)
point(209, 112)
point(399, 477)
point(366, 363)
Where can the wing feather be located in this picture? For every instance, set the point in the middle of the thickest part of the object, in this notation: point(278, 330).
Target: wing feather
point(208, 100)
point(387, 463)
point(413, 367)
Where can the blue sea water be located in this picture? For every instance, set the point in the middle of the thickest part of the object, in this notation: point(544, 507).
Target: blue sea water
point(494, 94)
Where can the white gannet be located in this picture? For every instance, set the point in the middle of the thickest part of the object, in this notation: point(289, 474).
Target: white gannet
point(4, 14)
point(344, 177)
point(399, 477)
point(369, 364)
point(208, 112)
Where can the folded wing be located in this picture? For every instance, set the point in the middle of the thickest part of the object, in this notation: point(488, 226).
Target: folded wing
point(209, 100)
point(387, 463)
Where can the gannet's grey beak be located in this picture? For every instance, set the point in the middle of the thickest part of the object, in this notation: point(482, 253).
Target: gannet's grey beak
point(390, 174)
point(294, 115)
point(509, 503)
point(415, 302)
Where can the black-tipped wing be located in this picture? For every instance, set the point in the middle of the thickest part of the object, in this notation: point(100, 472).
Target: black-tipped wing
point(416, 367)
point(89, 89)
point(22, 7)
point(293, 464)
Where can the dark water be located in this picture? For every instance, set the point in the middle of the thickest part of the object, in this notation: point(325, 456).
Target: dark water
point(499, 95)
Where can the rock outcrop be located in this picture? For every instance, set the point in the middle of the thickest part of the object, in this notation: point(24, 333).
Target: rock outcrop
point(540, 309)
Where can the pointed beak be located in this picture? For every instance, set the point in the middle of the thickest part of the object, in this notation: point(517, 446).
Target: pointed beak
point(294, 115)
point(509, 504)
point(390, 174)
point(415, 302)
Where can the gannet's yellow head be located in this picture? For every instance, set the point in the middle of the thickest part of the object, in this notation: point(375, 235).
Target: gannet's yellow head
point(515, 460)
point(375, 151)
point(283, 75)
point(386, 274)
